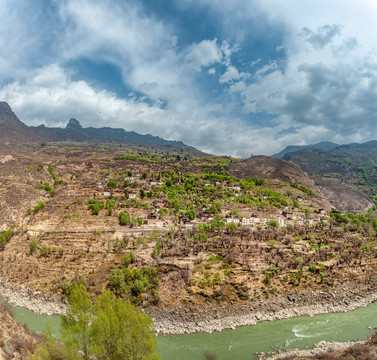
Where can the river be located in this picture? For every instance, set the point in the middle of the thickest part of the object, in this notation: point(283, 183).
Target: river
point(243, 342)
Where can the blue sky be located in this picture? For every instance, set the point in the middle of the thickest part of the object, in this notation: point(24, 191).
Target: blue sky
point(230, 77)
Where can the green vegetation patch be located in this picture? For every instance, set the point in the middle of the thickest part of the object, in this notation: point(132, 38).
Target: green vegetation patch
point(137, 284)
point(5, 236)
point(95, 205)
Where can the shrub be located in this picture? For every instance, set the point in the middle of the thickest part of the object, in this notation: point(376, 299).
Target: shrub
point(116, 281)
point(124, 218)
point(5, 236)
point(58, 182)
point(128, 258)
point(40, 206)
point(45, 251)
point(302, 188)
point(162, 211)
point(312, 268)
point(138, 287)
point(232, 226)
point(33, 246)
point(215, 207)
point(60, 252)
point(112, 184)
point(110, 204)
point(273, 224)
point(95, 206)
point(157, 249)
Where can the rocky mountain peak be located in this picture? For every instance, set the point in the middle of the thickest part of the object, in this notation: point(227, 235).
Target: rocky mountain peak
point(5, 108)
point(8, 117)
point(73, 124)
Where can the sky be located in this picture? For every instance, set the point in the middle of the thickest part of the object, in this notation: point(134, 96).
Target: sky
point(229, 77)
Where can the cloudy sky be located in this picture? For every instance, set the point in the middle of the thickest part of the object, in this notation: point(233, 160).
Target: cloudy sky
point(230, 77)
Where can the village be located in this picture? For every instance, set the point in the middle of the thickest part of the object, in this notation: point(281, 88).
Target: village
point(147, 187)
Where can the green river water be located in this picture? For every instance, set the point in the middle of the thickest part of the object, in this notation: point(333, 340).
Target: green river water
point(243, 342)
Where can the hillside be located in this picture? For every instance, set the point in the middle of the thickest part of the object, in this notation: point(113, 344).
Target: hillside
point(267, 168)
point(346, 175)
point(82, 245)
point(16, 341)
point(173, 231)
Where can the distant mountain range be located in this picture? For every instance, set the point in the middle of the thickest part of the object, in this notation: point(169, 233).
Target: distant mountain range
point(325, 145)
point(15, 131)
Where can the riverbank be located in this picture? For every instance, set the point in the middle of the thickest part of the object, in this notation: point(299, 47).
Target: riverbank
point(319, 349)
point(36, 301)
point(189, 319)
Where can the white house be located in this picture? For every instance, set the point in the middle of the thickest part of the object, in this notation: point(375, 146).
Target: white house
point(254, 219)
point(246, 221)
point(281, 221)
point(231, 219)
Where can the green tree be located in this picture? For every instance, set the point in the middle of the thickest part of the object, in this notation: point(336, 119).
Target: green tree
point(112, 184)
point(116, 281)
point(232, 226)
point(109, 329)
point(128, 258)
point(122, 331)
point(273, 223)
point(215, 207)
point(138, 287)
point(124, 218)
point(76, 324)
point(191, 214)
point(50, 349)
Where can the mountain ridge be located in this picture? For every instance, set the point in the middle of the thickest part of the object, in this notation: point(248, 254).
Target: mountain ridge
point(292, 148)
point(14, 130)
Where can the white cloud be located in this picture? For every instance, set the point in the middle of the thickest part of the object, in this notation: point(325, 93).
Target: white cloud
point(113, 29)
point(323, 36)
point(326, 84)
point(321, 87)
point(25, 39)
point(266, 68)
point(204, 54)
point(232, 74)
point(52, 97)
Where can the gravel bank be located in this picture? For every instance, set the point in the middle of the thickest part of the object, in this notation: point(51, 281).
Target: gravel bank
point(187, 320)
point(18, 295)
point(323, 347)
